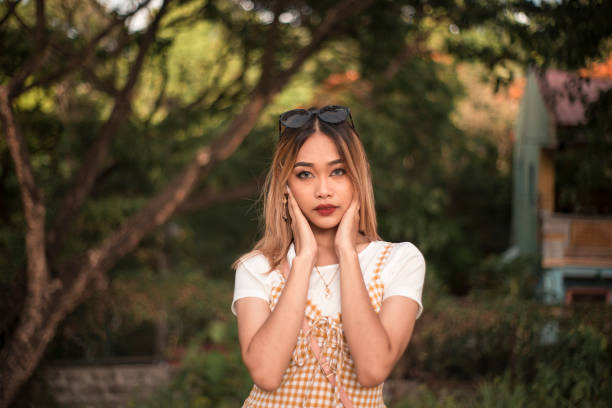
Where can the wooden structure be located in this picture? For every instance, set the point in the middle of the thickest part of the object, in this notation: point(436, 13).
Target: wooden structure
point(574, 251)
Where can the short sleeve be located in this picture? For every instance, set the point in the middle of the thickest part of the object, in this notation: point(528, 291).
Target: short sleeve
point(252, 280)
point(404, 274)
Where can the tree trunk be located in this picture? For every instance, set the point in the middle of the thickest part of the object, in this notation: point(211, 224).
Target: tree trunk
point(21, 356)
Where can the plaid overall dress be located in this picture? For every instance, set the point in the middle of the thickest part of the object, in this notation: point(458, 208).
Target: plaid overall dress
point(304, 385)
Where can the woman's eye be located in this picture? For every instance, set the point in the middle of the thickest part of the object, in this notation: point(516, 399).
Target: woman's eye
point(338, 172)
point(303, 174)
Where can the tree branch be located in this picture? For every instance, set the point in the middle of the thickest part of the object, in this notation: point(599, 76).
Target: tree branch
point(31, 196)
point(227, 142)
point(225, 95)
point(162, 91)
point(267, 62)
point(105, 85)
point(206, 199)
point(39, 54)
point(37, 268)
point(9, 11)
point(219, 70)
point(99, 260)
point(22, 23)
point(408, 51)
point(80, 58)
point(95, 156)
point(342, 11)
point(224, 145)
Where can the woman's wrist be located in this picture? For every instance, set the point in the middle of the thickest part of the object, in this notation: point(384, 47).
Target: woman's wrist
point(304, 261)
point(345, 252)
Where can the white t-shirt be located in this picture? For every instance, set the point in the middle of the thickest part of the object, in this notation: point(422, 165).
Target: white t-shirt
point(403, 274)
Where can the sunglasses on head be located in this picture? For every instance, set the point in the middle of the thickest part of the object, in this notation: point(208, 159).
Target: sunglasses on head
point(332, 114)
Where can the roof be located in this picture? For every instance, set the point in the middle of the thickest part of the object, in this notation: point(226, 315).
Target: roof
point(567, 95)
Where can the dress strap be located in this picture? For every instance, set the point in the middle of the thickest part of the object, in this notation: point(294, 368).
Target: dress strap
point(381, 260)
point(329, 373)
point(375, 286)
point(316, 350)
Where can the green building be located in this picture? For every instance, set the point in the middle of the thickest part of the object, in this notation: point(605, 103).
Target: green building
point(573, 245)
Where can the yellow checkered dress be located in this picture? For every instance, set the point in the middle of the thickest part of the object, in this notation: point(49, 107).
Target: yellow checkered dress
point(304, 384)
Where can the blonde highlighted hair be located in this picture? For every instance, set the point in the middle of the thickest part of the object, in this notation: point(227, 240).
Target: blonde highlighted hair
point(277, 235)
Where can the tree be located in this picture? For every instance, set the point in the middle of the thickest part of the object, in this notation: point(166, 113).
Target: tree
point(57, 48)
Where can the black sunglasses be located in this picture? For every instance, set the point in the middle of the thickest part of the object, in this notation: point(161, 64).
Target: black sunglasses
point(332, 114)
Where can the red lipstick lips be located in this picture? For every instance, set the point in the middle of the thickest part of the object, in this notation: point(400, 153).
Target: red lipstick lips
point(326, 209)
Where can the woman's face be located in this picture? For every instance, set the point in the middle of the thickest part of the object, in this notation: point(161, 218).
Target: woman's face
point(320, 183)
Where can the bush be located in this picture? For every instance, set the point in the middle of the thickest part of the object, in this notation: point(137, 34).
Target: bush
point(468, 339)
point(213, 376)
point(574, 371)
point(516, 353)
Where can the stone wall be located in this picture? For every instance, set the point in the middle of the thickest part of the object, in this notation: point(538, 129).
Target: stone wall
point(114, 384)
point(104, 384)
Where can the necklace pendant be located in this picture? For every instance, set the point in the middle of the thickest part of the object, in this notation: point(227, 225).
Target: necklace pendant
point(327, 292)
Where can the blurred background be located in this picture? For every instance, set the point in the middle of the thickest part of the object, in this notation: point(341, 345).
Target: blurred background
point(134, 139)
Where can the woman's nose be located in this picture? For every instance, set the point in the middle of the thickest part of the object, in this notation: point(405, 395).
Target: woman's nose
point(323, 188)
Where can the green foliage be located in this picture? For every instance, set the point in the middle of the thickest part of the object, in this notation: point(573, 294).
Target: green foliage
point(561, 33)
point(502, 393)
point(498, 393)
point(430, 176)
point(426, 398)
point(14, 40)
point(583, 165)
point(469, 339)
point(516, 279)
point(513, 354)
point(207, 377)
point(123, 320)
point(575, 370)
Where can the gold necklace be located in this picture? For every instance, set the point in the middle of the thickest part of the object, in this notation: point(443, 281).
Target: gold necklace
point(327, 290)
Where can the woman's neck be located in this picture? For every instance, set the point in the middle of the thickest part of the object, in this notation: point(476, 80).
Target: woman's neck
point(325, 239)
point(326, 247)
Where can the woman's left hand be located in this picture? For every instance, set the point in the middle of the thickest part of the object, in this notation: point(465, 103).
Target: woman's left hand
point(346, 235)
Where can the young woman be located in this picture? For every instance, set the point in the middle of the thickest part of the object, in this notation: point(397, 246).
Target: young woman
point(325, 307)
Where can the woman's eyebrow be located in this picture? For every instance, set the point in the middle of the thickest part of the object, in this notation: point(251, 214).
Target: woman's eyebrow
point(306, 164)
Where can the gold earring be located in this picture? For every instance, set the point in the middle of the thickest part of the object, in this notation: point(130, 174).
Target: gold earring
point(284, 216)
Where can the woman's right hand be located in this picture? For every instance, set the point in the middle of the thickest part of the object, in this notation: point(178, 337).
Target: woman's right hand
point(303, 238)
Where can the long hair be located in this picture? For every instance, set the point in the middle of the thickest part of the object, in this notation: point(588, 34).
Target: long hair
point(277, 235)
